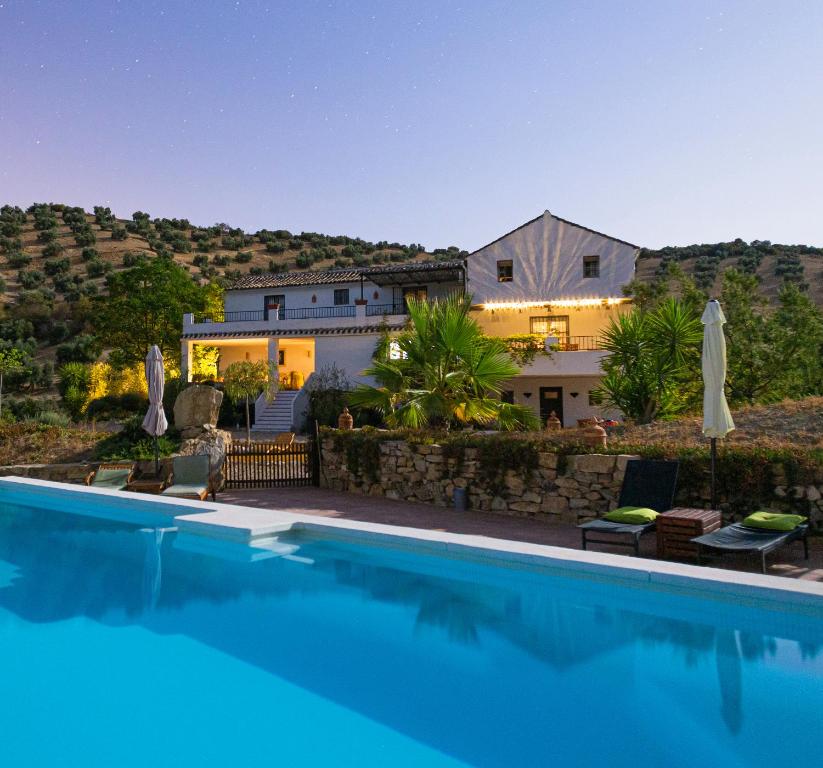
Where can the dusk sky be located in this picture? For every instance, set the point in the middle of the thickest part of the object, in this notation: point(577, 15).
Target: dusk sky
point(660, 122)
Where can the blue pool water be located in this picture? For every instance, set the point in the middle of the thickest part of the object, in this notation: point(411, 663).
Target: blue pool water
point(120, 647)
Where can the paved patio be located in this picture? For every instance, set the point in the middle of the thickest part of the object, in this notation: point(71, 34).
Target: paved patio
point(323, 503)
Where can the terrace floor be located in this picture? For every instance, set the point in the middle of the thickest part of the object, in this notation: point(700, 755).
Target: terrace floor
point(373, 509)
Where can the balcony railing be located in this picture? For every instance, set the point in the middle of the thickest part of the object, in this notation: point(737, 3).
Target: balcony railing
point(579, 344)
point(258, 316)
point(230, 317)
point(377, 310)
point(307, 313)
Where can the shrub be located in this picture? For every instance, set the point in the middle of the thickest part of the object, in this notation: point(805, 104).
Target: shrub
point(56, 266)
point(52, 419)
point(302, 260)
point(220, 260)
point(31, 278)
point(85, 238)
point(201, 260)
point(118, 232)
point(205, 246)
point(47, 236)
point(132, 258)
point(87, 254)
point(97, 268)
point(275, 247)
point(11, 244)
point(117, 407)
point(243, 257)
point(103, 215)
point(327, 394)
point(82, 349)
point(132, 442)
point(18, 259)
point(52, 249)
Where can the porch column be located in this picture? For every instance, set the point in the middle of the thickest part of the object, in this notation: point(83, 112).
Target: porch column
point(273, 354)
point(185, 359)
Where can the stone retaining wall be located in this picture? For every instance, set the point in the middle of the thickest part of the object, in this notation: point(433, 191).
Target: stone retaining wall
point(583, 488)
point(567, 489)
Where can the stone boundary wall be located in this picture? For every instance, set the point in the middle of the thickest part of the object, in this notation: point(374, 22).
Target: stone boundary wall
point(584, 487)
point(565, 489)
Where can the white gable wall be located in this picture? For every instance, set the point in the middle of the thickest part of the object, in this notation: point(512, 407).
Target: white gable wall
point(547, 260)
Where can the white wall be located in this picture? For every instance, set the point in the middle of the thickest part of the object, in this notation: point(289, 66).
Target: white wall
point(300, 297)
point(586, 321)
point(350, 353)
point(574, 408)
point(547, 258)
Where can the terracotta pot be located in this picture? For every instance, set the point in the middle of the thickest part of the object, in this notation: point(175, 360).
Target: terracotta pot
point(345, 420)
point(594, 436)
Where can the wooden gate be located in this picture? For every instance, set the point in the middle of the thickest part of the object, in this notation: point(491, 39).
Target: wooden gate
point(269, 465)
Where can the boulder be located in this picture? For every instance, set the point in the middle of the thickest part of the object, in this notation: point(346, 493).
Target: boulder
point(196, 406)
point(214, 442)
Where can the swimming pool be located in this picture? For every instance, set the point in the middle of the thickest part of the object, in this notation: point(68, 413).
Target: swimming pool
point(126, 645)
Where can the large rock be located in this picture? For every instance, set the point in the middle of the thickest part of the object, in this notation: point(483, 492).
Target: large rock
point(215, 443)
point(196, 406)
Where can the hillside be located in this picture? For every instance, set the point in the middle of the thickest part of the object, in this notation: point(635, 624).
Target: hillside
point(772, 263)
point(67, 251)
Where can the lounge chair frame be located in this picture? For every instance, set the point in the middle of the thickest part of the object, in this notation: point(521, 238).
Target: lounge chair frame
point(762, 541)
point(129, 465)
point(647, 483)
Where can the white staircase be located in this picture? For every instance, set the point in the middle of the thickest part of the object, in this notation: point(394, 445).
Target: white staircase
point(276, 416)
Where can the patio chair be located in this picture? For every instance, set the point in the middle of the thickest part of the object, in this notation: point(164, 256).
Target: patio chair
point(115, 476)
point(739, 538)
point(647, 483)
point(283, 440)
point(191, 478)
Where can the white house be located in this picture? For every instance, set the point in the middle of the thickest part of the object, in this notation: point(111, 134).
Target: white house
point(548, 277)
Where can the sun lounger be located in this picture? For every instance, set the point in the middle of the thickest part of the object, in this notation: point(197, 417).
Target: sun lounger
point(742, 539)
point(114, 476)
point(647, 483)
point(191, 478)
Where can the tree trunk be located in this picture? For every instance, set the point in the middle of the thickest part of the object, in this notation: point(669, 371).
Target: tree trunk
point(1, 394)
point(248, 421)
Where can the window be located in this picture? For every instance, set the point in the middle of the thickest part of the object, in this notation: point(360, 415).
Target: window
point(591, 266)
point(504, 271)
point(281, 356)
point(551, 325)
point(341, 296)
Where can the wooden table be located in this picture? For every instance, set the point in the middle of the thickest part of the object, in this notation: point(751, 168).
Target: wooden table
point(146, 485)
point(678, 526)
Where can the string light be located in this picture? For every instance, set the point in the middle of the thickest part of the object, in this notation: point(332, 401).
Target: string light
point(570, 303)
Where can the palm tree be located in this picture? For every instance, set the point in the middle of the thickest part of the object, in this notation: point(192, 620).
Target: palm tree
point(440, 371)
point(652, 369)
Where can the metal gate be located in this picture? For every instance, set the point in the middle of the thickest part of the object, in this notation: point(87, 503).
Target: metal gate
point(271, 465)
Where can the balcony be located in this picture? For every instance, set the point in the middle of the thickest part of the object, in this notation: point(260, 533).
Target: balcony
point(570, 356)
point(301, 319)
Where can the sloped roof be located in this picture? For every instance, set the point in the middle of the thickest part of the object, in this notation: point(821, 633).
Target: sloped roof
point(328, 276)
point(558, 218)
point(311, 331)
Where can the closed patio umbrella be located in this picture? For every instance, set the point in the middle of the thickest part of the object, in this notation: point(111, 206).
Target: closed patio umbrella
point(717, 421)
point(155, 421)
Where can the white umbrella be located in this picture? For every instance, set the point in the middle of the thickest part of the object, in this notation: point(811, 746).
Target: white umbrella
point(717, 421)
point(155, 422)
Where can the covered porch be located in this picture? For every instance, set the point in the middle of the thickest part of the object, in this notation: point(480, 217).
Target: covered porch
point(206, 359)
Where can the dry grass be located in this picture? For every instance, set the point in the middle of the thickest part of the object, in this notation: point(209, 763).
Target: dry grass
point(790, 423)
point(27, 443)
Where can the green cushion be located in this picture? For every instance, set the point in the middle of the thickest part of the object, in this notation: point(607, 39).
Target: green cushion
point(191, 470)
point(631, 515)
point(774, 521)
point(182, 489)
point(111, 478)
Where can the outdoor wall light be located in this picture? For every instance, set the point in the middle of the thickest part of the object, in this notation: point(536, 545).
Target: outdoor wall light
point(574, 394)
point(527, 394)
